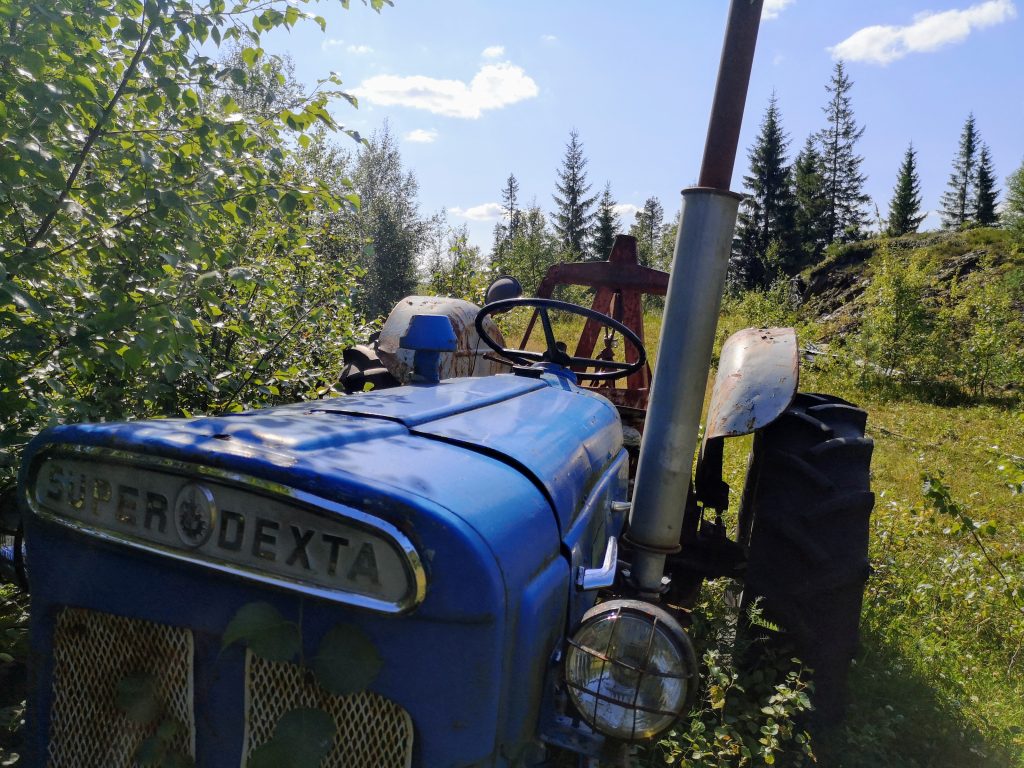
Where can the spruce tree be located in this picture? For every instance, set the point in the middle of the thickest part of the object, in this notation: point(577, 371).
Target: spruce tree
point(811, 203)
point(573, 213)
point(957, 203)
point(531, 252)
point(768, 209)
point(844, 183)
point(510, 203)
point(647, 228)
point(985, 192)
point(606, 225)
point(506, 229)
point(905, 209)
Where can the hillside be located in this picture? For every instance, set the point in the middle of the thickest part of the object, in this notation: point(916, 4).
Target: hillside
point(832, 292)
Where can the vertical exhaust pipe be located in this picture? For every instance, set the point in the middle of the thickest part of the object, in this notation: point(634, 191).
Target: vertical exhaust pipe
point(694, 297)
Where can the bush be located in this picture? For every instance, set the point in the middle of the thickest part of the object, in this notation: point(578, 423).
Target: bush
point(775, 305)
point(744, 717)
point(896, 320)
point(163, 240)
point(980, 337)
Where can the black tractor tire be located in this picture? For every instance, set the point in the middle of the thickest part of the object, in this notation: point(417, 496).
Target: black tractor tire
point(804, 517)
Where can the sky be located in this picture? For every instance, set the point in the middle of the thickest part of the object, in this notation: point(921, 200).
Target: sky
point(475, 90)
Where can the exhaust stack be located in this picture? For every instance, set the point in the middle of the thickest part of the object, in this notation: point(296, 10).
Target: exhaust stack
point(692, 303)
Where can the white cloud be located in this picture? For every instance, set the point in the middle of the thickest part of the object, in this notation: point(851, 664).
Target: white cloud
point(493, 87)
point(421, 136)
point(359, 50)
point(493, 52)
point(625, 211)
point(331, 42)
point(772, 8)
point(549, 38)
point(482, 212)
point(882, 44)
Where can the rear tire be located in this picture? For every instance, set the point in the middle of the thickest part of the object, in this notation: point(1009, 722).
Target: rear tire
point(805, 515)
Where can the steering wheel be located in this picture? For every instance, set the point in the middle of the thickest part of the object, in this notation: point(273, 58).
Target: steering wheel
point(606, 370)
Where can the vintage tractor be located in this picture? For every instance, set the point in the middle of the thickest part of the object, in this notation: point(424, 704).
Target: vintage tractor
point(465, 547)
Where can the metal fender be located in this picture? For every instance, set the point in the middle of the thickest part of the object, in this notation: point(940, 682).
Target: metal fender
point(758, 373)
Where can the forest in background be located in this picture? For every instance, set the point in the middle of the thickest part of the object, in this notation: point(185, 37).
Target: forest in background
point(183, 234)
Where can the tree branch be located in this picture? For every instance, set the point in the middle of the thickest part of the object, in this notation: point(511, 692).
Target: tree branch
point(94, 135)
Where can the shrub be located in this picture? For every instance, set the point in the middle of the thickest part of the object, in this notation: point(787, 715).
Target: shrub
point(896, 320)
point(743, 717)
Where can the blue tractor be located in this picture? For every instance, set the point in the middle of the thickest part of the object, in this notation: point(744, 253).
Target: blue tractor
point(458, 567)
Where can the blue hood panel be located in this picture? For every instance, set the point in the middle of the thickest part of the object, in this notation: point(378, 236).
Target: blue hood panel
point(417, 404)
point(560, 436)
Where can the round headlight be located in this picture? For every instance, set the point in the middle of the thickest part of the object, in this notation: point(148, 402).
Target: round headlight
point(630, 670)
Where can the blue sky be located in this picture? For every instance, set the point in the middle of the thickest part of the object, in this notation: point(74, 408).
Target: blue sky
point(476, 90)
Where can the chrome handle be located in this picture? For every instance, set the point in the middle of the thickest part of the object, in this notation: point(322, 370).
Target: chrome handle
point(596, 578)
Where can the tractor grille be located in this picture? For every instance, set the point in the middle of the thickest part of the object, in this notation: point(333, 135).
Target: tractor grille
point(93, 653)
point(372, 731)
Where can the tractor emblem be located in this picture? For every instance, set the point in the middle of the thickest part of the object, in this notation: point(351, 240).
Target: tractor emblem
point(195, 514)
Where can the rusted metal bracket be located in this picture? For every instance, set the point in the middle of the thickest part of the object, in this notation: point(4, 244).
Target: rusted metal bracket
point(620, 285)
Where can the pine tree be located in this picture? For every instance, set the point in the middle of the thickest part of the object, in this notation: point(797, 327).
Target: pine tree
point(958, 203)
point(985, 192)
point(811, 203)
point(647, 228)
point(768, 209)
point(606, 225)
point(844, 183)
point(905, 209)
point(510, 203)
point(574, 209)
point(506, 229)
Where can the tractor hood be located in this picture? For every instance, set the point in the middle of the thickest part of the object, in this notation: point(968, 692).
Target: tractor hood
point(559, 435)
point(421, 443)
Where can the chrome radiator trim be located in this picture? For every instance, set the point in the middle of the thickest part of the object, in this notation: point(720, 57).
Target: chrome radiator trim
point(327, 509)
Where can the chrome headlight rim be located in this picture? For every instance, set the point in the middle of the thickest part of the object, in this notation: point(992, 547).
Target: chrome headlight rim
point(662, 623)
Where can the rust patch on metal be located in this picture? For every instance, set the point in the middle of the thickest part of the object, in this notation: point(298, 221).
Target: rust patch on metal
point(758, 373)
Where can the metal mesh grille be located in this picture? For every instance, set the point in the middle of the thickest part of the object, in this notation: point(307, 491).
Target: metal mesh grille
point(372, 731)
point(93, 652)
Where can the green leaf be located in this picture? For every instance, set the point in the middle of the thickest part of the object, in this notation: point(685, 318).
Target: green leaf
point(173, 371)
point(88, 84)
point(136, 697)
point(302, 739)
point(262, 629)
point(288, 202)
point(22, 299)
point(347, 661)
point(240, 275)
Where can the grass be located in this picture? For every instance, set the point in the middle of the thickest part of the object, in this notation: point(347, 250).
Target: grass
point(940, 677)
point(940, 680)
